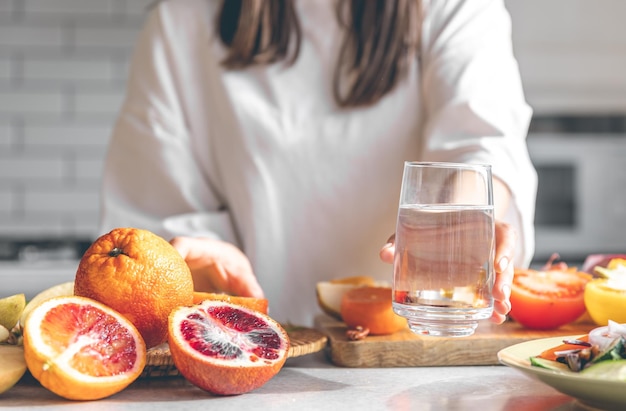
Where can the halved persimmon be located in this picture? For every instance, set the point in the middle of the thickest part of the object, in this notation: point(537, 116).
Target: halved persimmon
point(371, 308)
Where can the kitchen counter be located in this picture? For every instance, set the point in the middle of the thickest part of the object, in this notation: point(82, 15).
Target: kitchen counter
point(311, 382)
point(32, 277)
point(31, 265)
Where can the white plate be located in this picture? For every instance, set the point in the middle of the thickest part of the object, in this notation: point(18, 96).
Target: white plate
point(591, 391)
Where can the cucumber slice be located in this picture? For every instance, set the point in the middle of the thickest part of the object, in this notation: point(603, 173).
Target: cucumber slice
point(549, 364)
point(612, 352)
point(607, 370)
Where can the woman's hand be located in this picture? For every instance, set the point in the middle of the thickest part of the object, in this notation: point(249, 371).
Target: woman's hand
point(506, 237)
point(505, 246)
point(217, 266)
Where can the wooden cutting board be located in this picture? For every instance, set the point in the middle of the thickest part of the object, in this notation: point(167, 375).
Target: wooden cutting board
point(405, 349)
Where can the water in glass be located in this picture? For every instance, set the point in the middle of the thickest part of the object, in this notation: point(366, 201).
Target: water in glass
point(443, 268)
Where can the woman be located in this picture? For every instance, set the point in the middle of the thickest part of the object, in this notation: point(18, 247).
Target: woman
point(267, 138)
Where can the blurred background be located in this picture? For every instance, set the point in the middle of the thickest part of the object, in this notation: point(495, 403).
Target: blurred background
point(63, 66)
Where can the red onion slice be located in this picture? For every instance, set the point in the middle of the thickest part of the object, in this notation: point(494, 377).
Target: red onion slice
point(603, 337)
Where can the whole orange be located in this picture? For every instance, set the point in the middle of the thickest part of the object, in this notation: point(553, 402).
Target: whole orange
point(370, 307)
point(138, 274)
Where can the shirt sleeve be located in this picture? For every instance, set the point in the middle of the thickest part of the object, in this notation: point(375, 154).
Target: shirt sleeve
point(151, 177)
point(474, 102)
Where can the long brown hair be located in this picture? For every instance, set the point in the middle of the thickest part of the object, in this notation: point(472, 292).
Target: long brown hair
point(381, 38)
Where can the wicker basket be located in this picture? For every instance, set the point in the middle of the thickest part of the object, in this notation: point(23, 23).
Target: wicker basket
point(302, 340)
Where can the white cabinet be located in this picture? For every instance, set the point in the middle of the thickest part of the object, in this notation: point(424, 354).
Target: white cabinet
point(572, 54)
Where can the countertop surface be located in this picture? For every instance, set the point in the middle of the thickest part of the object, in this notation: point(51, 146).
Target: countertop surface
point(311, 382)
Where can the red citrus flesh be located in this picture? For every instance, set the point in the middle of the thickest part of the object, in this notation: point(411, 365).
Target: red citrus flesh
point(225, 348)
point(81, 349)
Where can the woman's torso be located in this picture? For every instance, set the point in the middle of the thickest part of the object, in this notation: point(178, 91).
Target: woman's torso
point(312, 189)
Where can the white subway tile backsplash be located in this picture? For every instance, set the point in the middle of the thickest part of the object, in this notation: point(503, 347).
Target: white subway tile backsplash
point(20, 102)
point(121, 37)
point(121, 69)
point(68, 136)
point(71, 69)
point(6, 134)
point(35, 227)
point(6, 6)
point(63, 72)
point(70, 7)
point(137, 7)
point(5, 68)
point(14, 36)
point(89, 169)
point(6, 202)
point(99, 102)
point(65, 201)
point(68, 21)
point(40, 169)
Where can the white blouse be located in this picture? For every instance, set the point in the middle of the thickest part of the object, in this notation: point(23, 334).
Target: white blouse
point(265, 159)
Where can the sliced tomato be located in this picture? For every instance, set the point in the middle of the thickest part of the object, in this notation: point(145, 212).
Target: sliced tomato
point(548, 299)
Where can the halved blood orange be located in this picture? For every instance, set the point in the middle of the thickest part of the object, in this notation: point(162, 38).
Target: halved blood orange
point(259, 304)
point(225, 348)
point(81, 349)
point(371, 308)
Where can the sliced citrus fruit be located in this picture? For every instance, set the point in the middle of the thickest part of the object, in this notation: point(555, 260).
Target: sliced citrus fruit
point(370, 307)
point(259, 304)
point(12, 366)
point(225, 348)
point(58, 290)
point(329, 293)
point(11, 309)
point(81, 349)
point(139, 274)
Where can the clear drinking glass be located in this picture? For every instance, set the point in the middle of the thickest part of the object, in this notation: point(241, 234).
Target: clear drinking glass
point(445, 243)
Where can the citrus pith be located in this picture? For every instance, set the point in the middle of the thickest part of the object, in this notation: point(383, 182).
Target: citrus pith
point(58, 290)
point(259, 304)
point(225, 348)
point(140, 275)
point(81, 349)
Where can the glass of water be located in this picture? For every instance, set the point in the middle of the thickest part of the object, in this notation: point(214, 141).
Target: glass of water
point(443, 272)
